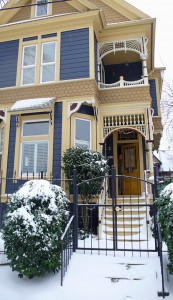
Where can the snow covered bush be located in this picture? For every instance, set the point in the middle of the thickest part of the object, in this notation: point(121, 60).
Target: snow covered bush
point(165, 217)
point(88, 164)
point(36, 218)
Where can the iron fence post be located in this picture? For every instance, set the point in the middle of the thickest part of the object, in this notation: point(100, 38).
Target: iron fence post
point(155, 182)
point(114, 216)
point(75, 210)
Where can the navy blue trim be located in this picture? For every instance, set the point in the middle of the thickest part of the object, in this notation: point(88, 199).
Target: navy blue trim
point(45, 36)
point(57, 141)
point(153, 96)
point(31, 38)
point(86, 110)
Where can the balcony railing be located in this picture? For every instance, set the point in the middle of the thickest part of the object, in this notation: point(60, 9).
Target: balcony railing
point(123, 83)
point(136, 121)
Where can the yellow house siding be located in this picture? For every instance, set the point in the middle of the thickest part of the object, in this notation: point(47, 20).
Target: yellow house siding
point(23, 14)
point(110, 14)
point(62, 8)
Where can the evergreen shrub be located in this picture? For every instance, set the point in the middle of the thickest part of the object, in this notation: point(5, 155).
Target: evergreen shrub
point(89, 165)
point(36, 218)
point(165, 218)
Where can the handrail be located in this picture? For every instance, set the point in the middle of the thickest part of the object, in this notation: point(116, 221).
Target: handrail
point(67, 227)
point(66, 247)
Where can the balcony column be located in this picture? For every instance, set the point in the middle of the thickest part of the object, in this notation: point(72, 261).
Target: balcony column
point(144, 67)
point(150, 157)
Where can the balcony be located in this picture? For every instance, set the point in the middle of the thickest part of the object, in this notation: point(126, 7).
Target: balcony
point(122, 64)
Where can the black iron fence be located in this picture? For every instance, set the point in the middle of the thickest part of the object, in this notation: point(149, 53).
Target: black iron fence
point(10, 185)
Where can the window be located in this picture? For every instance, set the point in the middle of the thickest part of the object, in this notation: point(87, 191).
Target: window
point(34, 146)
point(29, 65)
point(83, 133)
point(48, 62)
point(34, 157)
point(41, 8)
point(42, 63)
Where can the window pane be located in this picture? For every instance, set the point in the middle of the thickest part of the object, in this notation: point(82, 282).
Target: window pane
point(35, 128)
point(42, 8)
point(28, 76)
point(28, 153)
point(29, 56)
point(82, 134)
point(42, 156)
point(48, 73)
point(48, 52)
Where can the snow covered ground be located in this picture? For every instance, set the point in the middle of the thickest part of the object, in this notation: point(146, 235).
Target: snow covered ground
point(94, 277)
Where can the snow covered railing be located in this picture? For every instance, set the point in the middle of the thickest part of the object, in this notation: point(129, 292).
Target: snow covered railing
point(67, 247)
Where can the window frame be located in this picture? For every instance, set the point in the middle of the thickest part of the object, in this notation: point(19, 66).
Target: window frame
point(42, 65)
point(90, 130)
point(30, 66)
point(33, 139)
point(36, 9)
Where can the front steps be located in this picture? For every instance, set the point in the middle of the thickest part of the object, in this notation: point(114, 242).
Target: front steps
point(131, 223)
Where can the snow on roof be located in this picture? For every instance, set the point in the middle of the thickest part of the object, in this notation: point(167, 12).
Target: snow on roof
point(32, 104)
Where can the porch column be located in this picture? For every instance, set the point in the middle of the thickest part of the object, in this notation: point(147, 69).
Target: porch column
point(144, 68)
point(150, 157)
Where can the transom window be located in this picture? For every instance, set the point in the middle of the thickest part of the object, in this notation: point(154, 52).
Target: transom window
point(82, 133)
point(34, 146)
point(41, 8)
point(35, 128)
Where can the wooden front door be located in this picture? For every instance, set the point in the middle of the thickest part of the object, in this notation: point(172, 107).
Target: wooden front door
point(128, 165)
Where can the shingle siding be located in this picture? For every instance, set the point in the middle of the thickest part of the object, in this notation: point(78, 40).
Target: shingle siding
point(74, 54)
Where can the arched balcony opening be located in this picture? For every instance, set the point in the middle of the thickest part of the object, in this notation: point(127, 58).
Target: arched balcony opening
point(122, 63)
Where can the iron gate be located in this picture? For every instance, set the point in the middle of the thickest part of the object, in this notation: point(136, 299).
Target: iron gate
point(111, 221)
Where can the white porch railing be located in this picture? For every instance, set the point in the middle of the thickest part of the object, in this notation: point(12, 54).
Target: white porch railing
point(123, 83)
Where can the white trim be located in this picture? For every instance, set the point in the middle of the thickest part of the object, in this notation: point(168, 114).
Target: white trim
point(30, 66)
point(47, 64)
point(86, 120)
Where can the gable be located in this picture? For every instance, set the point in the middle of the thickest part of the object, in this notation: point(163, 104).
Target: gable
point(111, 15)
point(115, 10)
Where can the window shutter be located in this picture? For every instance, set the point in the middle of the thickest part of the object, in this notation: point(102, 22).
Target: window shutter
point(42, 157)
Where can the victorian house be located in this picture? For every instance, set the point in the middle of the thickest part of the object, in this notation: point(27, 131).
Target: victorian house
point(77, 73)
